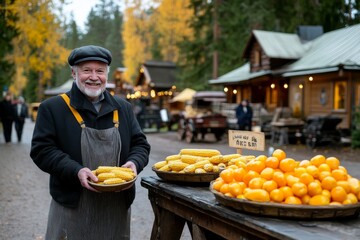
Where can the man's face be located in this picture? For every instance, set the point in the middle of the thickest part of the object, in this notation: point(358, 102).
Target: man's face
point(91, 78)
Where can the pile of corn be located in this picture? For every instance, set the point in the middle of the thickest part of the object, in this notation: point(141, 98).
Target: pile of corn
point(196, 161)
point(109, 175)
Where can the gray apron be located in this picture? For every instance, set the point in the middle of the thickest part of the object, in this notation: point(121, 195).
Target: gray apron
point(99, 215)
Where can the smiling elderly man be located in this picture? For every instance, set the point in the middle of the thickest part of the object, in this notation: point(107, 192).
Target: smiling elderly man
point(75, 133)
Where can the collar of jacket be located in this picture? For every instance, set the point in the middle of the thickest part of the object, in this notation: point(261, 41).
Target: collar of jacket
point(79, 101)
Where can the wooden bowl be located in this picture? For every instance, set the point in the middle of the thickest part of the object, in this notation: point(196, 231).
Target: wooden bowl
point(112, 187)
point(186, 177)
point(290, 211)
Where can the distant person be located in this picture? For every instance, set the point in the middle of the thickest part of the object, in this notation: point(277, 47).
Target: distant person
point(77, 132)
point(21, 112)
point(244, 114)
point(7, 115)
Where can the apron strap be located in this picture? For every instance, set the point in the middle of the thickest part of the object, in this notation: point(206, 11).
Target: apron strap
point(73, 110)
point(80, 119)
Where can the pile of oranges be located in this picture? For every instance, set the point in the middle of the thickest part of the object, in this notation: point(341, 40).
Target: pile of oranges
point(277, 178)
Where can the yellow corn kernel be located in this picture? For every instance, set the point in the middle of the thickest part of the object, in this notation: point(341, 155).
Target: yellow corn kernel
point(160, 164)
point(165, 168)
point(127, 176)
point(111, 181)
point(208, 167)
point(172, 157)
point(216, 159)
point(200, 170)
point(200, 152)
point(189, 159)
point(106, 175)
point(177, 165)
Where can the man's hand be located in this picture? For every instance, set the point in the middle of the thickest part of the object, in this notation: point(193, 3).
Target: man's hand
point(131, 165)
point(84, 174)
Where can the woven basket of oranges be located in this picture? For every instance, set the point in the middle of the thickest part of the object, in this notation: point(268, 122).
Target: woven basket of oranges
point(276, 185)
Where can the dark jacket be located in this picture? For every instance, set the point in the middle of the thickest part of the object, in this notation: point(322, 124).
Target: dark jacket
point(56, 141)
point(244, 118)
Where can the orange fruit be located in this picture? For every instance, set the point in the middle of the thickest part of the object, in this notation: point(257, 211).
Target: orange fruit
point(317, 160)
point(319, 200)
point(224, 188)
point(292, 200)
point(239, 174)
point(272, 162)
point(217, 184)
point(343, 168)
point(277, 195)
point(287, 165)
point(338, 194)
point(261, 158)
point(306, 178)
point(256, 183)
point(339, 175)
point(286, 191)
point(255, 165)
point(304, 163)
point(323, 174)
point(236, 188)
point(335, 204)
point(298, 171)
point(345, 185)
point(279, 154)
point(299, 189)
point(313, 171)
point(258, 195)
point(228, 194)
point(240, 164)
point(291, 180)
point(354, 185)
point(324, 167)
point(314, 188)
point(305, 199)
point(279, 178)
point(269, 185)
point(352, 197)
point(267, 173)
point(328, 183)
point(326, 193)
point(333, 162)
point(250, 175)
point(227, 175)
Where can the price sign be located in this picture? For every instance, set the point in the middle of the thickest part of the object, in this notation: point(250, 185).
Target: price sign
point(247, 140)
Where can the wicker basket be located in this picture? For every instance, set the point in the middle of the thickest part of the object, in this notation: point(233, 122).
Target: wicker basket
point(186, 177)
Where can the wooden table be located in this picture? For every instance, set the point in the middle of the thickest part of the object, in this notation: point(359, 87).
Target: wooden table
point(176, 204)
point(280, 131)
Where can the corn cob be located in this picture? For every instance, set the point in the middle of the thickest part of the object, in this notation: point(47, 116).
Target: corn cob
point(200, 170)
point(104, 169)
point(208, 167)
point(165, 168)
point(190, 159)
point(216, 159)
point(124, 169)
point(172, 157)
point(127, 176)
point(190, 169)
point(177, 165)
point(200, 164)
point(111, 181)
point(200, 152)
point(160, 164)
point(228, 157)
point(104, 176)
point(221, 166)
point(216, 169)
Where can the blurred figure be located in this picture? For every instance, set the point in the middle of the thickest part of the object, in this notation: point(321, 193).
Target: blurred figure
point(244, 114)
point(7, 116)
point(21, 112)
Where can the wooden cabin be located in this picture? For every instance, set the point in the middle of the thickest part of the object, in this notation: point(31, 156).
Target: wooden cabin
point(311, 72)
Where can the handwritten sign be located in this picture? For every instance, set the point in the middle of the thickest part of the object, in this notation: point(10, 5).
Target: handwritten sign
point(247, 140)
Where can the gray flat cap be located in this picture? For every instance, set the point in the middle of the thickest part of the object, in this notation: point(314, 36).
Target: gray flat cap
point(89, 53)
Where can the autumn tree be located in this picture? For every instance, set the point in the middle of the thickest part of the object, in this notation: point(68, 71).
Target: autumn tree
point(36, 49)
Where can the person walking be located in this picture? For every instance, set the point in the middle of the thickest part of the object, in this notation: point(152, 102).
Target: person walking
point(75, 133)
point(21, 113)
point(244, 114)
point(7, 115)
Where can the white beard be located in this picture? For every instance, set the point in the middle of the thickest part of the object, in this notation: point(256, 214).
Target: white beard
point(91, 93)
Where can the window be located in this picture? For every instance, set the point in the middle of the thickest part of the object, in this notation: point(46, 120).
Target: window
point(258, 57)
point(340, 95)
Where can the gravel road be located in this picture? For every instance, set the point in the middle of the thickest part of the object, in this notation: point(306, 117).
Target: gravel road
point(24, 193)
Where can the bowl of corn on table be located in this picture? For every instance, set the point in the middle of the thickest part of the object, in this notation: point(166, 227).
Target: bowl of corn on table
point(113, 178)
